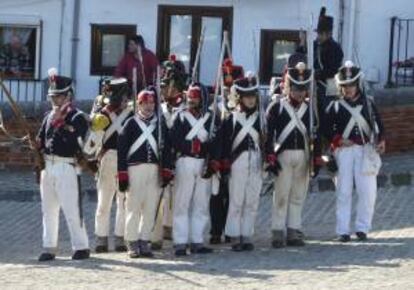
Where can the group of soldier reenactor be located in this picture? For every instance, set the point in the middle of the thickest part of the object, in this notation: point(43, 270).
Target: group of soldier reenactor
point(177, 158)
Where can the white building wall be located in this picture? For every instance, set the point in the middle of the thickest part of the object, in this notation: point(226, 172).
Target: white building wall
point(248, 16)
point(371, 33)
point(49, 12)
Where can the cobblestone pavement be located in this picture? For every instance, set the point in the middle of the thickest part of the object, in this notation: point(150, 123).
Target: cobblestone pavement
point(383, 262)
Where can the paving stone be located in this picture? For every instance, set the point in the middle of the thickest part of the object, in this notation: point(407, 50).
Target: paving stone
point(383, 262)
point(386, 261)
point(400, 179)
point(326, 184)
point(382, 180)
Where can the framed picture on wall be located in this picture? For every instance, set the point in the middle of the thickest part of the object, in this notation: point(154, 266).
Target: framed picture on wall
point(20, 50)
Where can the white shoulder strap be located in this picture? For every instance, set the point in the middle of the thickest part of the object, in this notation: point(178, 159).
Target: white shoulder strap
point(295, 121)
point(356, 119)
point(116, 125)
point(146, 135)
point(247, 129)
point(197, 125)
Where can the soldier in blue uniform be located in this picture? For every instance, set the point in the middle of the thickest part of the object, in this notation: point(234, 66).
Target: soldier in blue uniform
point(194, 137)
point(355, 124)
point(60, 138)
point(142, 167)
point(288, 152)
point(219, 203)
point(108, 122)
point(173, 84)
point(241, 135)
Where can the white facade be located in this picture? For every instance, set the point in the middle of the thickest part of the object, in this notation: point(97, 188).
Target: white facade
point(370, 42)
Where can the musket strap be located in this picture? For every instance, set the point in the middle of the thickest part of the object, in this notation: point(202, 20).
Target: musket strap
point(197, 125)
point(116, 125)
point(356, 119)
point(146, 135)
point(295, 122)
point(247, 128)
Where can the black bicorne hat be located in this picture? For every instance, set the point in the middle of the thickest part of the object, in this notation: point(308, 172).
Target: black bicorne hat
point(325, 23)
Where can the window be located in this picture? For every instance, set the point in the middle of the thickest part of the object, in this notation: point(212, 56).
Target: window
point(179, 29)
point(109, 42)
point(20, 51)
point(275, 48)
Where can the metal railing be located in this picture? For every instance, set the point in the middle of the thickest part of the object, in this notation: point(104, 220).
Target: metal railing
point(29, 91)
point(401, 53)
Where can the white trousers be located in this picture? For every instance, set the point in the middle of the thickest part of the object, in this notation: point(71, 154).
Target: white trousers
point(245, 184)
point(107, 186)
point(141, 201)
point(191, 202)
point(349, 161)
point(291, 187)
point(59, 188)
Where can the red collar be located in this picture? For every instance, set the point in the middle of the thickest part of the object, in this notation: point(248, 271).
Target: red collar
point(294, 103)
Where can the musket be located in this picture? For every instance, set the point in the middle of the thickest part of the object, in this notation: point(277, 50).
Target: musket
point(80, 200)
point(260, 104)
point(159, 115)
point(141, 60)
point(38, 156)
point(228, 48)
point(222, 87)
point(160, 141)
point(217, 86)
point(214, 104)
point(134, 88)
point(372, 117)
point(194, 75)
point(312, 127)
